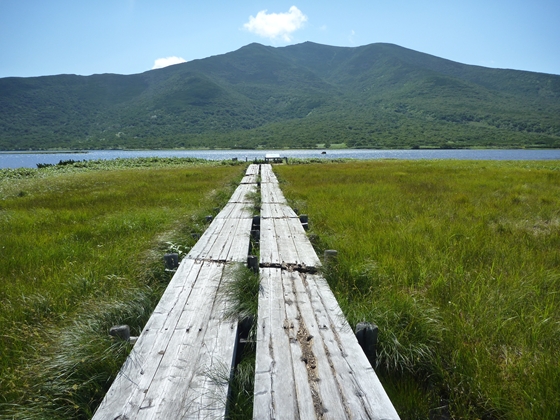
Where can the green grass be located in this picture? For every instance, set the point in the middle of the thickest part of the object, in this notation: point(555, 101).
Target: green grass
point(242, 293)
point(81, 250)
point(458, 263)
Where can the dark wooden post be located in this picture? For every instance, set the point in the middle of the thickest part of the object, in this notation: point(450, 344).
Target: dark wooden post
point(120, 331)
point(171, 261)
point(253, 263)
point(330, 254)
point(304, 219)
point(366, 334)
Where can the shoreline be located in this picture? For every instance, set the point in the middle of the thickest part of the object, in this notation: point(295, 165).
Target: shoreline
point(85, 151)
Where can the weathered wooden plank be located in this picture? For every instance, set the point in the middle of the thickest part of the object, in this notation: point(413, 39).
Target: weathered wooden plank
point(229, 211)
point(283, 240)
point(272, 210)
point(176, 388)
point(332, 377)
point(264, 406)
point(267, 174)
point(360, 385)
point(287, 248)
point(224, 240)
point(207, 240)
point(298, 340)
point(268, 246)
point(292, 243)
point(236, 211)
point(244, 193)
point(305, 251)
point(169, 372)
point(176, 294)
point(240, 241)
point(174, 373)
point(292, 334)
point(338, 381)
point(178, 363)
point(274, 392)
point(253, 169)
point(220, 248)
point(250, 178)
point(271, 193)
point(218, 359)
point(242, 211)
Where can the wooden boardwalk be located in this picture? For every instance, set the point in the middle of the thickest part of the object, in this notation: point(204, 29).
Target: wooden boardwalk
point(309, 364)
point(181, 365)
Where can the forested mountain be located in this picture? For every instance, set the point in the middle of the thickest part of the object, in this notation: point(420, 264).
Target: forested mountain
point(378, 95)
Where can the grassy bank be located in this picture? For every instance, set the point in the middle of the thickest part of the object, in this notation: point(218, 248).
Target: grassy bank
point(82, 247)
point(458, 263)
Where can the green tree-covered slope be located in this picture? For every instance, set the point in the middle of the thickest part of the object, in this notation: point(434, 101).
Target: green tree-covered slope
point(378, 95)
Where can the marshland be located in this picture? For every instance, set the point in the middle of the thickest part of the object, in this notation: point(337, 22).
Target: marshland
point(456, 262)
point(82, 249)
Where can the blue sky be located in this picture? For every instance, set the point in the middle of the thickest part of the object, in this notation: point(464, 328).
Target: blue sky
point(46, 37)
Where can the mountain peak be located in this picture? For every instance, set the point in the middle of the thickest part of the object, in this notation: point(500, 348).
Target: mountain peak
point(301, 95)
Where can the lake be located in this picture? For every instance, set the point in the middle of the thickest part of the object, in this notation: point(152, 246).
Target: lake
point(31, 159)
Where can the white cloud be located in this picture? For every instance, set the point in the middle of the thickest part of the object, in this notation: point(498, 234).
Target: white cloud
point(276, 25)
point(168, 61)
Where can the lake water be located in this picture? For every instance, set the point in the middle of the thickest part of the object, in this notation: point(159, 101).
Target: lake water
point(30, 160)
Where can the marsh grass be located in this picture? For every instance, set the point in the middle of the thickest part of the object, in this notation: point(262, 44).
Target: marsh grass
point(81, 250)
point(255, 198)
point(242, 295)
point(73, 371)
point(240, 404)
point(458, 264)
point(242, 292)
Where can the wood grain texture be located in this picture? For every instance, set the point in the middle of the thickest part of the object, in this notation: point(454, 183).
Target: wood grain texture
point(271, 210)
point(309, 364)
point(182, 362)
point(243, 193)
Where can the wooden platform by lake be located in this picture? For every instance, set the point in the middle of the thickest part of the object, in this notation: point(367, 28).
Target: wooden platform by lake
point(309, 364)
point(181, 365)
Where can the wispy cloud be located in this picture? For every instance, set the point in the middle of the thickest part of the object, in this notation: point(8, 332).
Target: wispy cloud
point(167, 61)
point(276, 25)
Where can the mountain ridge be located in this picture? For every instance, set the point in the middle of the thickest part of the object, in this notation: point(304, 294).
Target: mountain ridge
point(378, 95)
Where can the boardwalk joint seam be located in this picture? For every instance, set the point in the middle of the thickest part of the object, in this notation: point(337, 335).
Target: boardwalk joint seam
point(290, 267)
